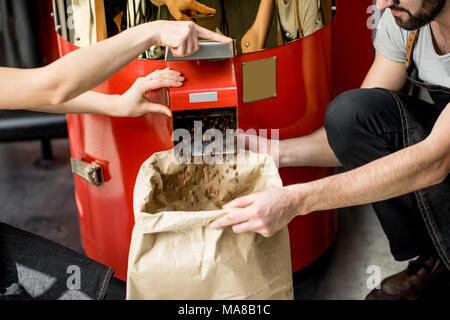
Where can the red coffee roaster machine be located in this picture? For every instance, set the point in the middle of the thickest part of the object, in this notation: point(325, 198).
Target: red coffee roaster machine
point(286, 88)
point(208, 100)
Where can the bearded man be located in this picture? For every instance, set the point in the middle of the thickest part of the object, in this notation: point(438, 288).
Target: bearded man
point(394, 147)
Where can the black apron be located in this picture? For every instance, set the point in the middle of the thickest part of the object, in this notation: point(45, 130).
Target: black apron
point(434, 201)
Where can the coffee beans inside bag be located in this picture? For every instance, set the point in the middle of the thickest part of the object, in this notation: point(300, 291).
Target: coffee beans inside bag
point(174, 254)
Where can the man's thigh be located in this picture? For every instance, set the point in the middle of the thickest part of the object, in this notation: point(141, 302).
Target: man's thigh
point(366, 124)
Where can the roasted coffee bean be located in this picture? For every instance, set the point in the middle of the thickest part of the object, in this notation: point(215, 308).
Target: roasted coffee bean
point(236, 174)
point(227, 170)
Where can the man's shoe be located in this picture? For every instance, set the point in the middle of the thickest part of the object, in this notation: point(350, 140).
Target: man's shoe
point(377, 294)
point(420, 277)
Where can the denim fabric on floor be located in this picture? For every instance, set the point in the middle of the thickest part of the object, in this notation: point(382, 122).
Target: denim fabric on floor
point(32, 267)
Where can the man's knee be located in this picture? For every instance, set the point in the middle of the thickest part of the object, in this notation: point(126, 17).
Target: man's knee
point(359, 107)
point(355, 112)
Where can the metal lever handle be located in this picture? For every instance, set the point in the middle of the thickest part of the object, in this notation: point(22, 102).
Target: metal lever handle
point(91, 172)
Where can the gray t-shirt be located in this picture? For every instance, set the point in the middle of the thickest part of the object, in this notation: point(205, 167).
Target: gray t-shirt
point(391, 43)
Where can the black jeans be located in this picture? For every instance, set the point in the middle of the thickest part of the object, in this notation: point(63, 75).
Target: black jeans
point(363, 125)
point(32, 267)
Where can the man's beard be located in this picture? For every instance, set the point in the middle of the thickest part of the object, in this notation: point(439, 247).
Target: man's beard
point(428, 11)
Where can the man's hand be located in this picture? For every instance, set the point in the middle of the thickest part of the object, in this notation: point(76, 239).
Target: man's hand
point(265, 212)
point(136, 101)
point(182, 36)
point(185, 9)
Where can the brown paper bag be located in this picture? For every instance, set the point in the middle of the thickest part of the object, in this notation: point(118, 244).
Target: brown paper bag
point(175, 255)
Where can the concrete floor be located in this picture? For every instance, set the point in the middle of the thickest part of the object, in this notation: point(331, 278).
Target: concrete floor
point(42, 202)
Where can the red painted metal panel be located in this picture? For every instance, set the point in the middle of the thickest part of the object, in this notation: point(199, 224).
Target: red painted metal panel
point(204, 76)
point(353, 50)
point(304, 89)
point(48, 42)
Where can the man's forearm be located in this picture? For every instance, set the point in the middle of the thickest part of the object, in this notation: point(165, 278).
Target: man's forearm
point(405, 171)
point(312, 150)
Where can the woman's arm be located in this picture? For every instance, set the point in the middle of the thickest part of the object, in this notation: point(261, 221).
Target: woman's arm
point(140, 98)
point(86, 68)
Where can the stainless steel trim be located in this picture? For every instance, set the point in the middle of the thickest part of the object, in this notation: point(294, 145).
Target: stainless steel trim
point(208, 50)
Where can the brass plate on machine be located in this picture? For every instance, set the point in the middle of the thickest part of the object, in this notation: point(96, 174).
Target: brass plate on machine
point(91, 172)
point(259, 80)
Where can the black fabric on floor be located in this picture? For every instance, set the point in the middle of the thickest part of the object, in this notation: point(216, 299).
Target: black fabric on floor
point(32, 267)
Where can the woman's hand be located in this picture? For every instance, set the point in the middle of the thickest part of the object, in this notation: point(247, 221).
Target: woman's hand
point(137, 101)
point(182, 36)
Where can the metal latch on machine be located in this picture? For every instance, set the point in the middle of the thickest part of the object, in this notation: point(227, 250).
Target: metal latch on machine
point(91, 172)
